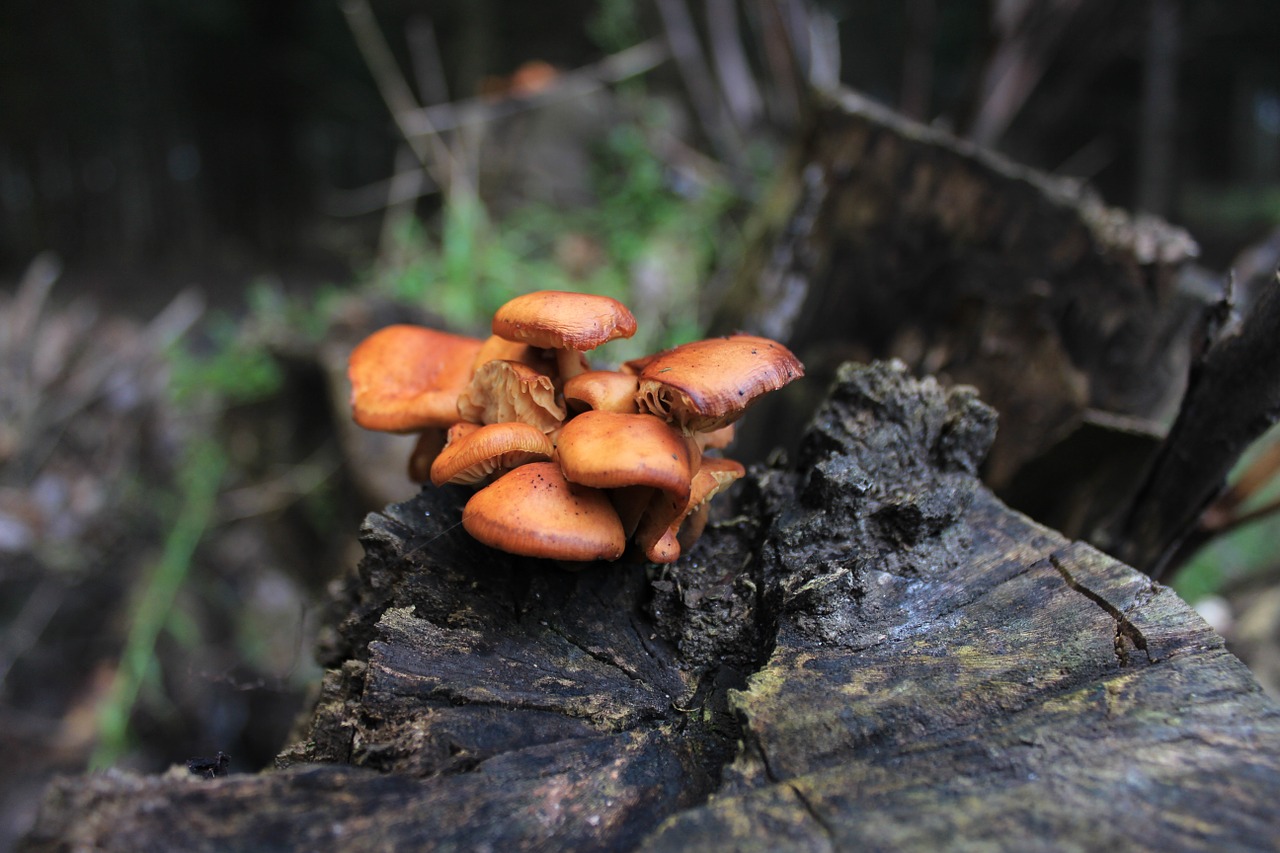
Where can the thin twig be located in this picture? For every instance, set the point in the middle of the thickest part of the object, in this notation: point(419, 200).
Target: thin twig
point(425, 142)
point(741, 93)
point(273, 495)
point(424, 56)
point(616, 68)
point(708, 108)
point(26, 628)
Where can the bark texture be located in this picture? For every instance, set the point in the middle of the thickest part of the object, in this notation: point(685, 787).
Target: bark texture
point(890, 239)
point(1232, 398)
point(868, 651)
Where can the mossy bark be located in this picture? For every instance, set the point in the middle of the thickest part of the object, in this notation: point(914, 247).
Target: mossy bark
point(867, 651)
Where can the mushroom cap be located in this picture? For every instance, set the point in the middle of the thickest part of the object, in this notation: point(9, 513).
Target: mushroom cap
point(474, 454)
point(534, 511)
point(503, 391)
point(603, 390)
point(657, 533)
point(496, 348)
point(609, 450)
point(717, 439)
point(714, 476)
point(428, 446)
point(557, 319)
point(707, 384)
point(407, 378)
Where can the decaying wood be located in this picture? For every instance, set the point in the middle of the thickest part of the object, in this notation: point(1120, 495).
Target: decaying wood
point(1232, 398)
point(869, 651)
point(887, 238)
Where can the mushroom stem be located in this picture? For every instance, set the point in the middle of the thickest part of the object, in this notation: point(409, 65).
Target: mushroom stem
point(570, 363)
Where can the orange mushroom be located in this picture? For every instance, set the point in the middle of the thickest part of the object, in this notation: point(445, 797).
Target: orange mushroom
point(407, 378)
point(615, 451)
point(477, 453)
point(705, 385)
point(658, 533)
point(536, 512)
point(497, 348)
point(569, 323)
point(717, 439)
point(629, 462)
point(609, 450)
point(428, 446)
point(602, 390)
point(503, 391)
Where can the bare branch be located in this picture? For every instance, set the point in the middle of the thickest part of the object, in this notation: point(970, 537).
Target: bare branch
point(1232, 397)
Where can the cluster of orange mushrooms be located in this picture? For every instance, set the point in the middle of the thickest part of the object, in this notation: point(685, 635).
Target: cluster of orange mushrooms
point(574, 462)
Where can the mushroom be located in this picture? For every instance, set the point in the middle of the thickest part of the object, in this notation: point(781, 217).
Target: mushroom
point(569, 323)
point(658, 534)
point(705, 385)
point(609, 450)
point(602, 390)
point(715, 476)
point(504, 391)
point(407, 378)
point(717, 439)
point(628, 463)
point(474, 454)
point(497, 348)
point(534, 511)
point(428, 446)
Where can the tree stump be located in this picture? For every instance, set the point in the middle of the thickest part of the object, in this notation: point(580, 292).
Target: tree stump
point(886, 238)
point(868, 651)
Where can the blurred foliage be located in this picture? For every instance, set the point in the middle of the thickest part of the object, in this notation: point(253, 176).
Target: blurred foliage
point(1246, 551)
point(199, 478)
point(651, 240)
point(231, 366)
point(615, 25)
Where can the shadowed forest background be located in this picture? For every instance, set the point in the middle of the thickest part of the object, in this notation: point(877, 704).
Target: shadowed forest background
point(202, 206)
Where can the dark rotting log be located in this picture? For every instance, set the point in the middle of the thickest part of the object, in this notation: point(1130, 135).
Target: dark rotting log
point(868, 650)
point(886, 238)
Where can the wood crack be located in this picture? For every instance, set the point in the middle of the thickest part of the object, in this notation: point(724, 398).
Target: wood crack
point(813, 813)
point(1125, 629)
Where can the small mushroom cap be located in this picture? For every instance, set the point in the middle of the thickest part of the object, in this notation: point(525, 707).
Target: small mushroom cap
point(503, 391)
point(534, 511)
point(407, 378)
point(604, 391)
point(717, 439)
point(484, 450)
point(637, 365)
point(556, 319)
point(715, 475)
point(496, 348)
point(658, 531)
point(428, 446)
point(608, 450)
point(708, 384)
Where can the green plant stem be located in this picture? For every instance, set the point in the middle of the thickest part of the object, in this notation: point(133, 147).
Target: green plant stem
point(202, 476)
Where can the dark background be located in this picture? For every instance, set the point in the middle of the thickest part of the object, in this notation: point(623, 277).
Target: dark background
point(151, 144)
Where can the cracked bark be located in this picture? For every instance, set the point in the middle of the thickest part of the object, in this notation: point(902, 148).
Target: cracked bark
point(1125, 629)
point(871, 652)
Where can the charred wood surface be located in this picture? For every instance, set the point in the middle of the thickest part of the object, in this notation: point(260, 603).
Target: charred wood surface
point(868, 651)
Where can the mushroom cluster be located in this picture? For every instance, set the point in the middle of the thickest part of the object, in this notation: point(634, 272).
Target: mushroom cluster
point(573, 463)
